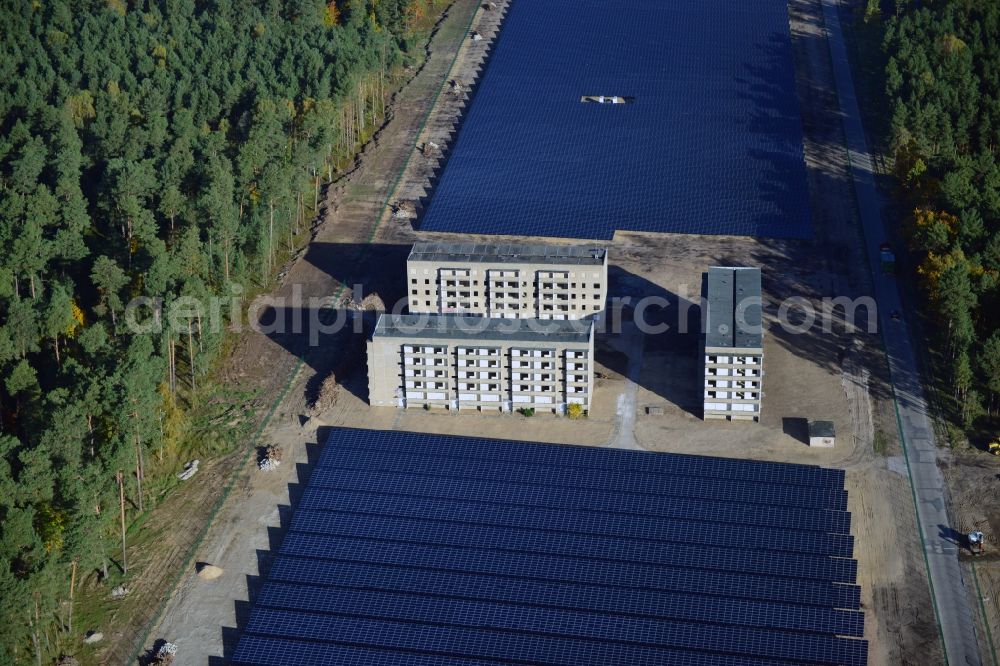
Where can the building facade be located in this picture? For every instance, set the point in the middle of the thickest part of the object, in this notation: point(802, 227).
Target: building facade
point(734, 344)
point(462, 362)
point(507, 281)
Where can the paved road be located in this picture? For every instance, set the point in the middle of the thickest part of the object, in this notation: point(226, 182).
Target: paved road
point(947, 587)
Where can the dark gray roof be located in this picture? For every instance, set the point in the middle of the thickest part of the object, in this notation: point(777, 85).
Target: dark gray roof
point(821, 429)
point(473, 329)
point(509, 254)
point(734, 308)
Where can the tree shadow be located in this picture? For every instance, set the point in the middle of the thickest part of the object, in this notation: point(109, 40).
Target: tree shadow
point(379, 268)
point(265, 558)
point(775, 128)
point(328, 340)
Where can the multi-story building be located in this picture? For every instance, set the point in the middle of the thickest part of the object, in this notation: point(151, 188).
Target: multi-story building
point(507, 281)
point(734, 344)
point(463, 362)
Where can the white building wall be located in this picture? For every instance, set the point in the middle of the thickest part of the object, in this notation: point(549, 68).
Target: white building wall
point(453, 375)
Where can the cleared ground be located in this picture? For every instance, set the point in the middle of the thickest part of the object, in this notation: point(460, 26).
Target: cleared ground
point(840, 377)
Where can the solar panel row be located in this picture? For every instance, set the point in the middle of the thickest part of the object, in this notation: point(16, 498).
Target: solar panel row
point(478, 448)
point(265, 650)
point(567, 521)
point(436, 611)
point(633, 482)
point(721, 557)
point(531, 567)
point(711, 142)
point(781, 538)
point(377, 604)
point(361, 482)
point(479, 639)
point(567, 568)
point(651, 603)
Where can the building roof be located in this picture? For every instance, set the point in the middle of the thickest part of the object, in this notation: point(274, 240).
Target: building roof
point(471, 328)
point(822, 429)
point(509, 254)
point(734, 308)
point(430, 550)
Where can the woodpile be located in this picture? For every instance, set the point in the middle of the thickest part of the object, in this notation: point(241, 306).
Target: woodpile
point(372, 303)
point(164, 656)
point(403, 210)
point(327, 396)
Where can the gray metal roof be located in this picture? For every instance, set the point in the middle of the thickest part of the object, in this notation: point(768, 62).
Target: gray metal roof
point(821, 429)
point(734, 308)
point(509, 254)
point(476, 329)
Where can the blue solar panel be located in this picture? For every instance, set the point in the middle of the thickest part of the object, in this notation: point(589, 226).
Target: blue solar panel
point(359, 580)
point(478, 639)
point(634, 482)
point(265, 650)
point(711, 144)
point(678, 506)
point(612, 550)
point(564, 521)
point(730, 469)
point(299, 561)
point(270, 651)
point(378, 566)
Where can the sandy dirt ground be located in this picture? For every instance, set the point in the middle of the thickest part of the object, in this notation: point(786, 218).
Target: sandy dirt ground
point(837, 376)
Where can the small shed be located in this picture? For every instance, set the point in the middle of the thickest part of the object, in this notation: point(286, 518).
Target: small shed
point(822, 434)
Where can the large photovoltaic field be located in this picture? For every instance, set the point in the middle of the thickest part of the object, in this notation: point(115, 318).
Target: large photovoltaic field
point(426, 549)
point(710, 144)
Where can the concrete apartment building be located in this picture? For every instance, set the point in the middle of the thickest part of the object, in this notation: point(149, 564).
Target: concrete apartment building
point(734, 344)
point(507, 281)
point(460, 362)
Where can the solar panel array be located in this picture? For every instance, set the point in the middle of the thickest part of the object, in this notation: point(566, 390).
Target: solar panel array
point(419, 549)
point(711, 144)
